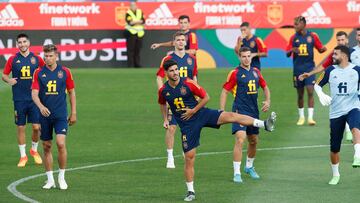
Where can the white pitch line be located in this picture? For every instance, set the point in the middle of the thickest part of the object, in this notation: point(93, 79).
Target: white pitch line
point(12, 187)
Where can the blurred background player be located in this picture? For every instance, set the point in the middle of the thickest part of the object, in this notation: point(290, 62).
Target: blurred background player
point(247, 80)
point(188, 69)
point(192, 116)
point(49, 88)
point(22, 65)
point(191, 39)
point(355, 56)
point(343, 78)
point(134, 34)
point(301, 47)
point(256, 45)
point(341, 39)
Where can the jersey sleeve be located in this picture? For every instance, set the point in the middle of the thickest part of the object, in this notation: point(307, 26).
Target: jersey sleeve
point(357, 68)
point(35, 81)
point(8, 66)
point(41, 61)
point(161, 99)
point(261, 45)
point(238, 45)
point(324, 77)
point(195, 71)
point(196, 89)
point(193, 41)
point(328, 61)
point(290, 45)
point(230, 81)
point(161, 71)
point(317, 43)
point(262, 81)
point(70, 84)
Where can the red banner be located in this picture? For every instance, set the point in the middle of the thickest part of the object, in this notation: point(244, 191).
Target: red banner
point(163, 15)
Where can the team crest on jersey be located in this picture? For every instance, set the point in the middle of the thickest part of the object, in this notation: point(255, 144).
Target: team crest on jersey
point(60, 74)
point(183, 90)
point(252, 44)
point(189, 61)
point(33, 60)
point(255, 74)
point(309, 39)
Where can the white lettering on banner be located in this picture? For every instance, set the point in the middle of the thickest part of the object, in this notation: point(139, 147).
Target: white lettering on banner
point(352, 6)
point(45, 8)
point(9, 45)
point(223, 20)
point(200, 7)
point(110, 52)
point(121, 52)
point(67, 55)
point(9, 17)
point(69, 21)
point(93, 52)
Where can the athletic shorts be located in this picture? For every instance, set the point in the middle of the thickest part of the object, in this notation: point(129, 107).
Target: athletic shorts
point(306, 82)
point(48, 125)
point(26, 111)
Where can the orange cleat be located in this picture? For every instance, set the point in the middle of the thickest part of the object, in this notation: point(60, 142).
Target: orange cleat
point(36, 156)
point(22, 162)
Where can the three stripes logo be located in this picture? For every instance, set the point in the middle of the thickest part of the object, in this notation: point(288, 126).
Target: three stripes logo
point(161, 16)
point(9, 17)
point(316, 15)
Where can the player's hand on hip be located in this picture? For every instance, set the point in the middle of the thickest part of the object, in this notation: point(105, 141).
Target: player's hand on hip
point(155, 46)
point(166, 124)
point(72, 119)
point(12, 81)
point(45, 111)
point(188, 113)
point(325, 100)
point(303, 76)
point(266, 106)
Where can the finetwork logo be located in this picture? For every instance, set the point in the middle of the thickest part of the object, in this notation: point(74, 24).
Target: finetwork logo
point(352, 6)
point(9, 17)
point(316, 15)
point(161, 16)
point(200, 7)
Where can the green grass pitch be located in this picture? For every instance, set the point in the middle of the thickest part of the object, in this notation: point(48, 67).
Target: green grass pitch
point(119, 120)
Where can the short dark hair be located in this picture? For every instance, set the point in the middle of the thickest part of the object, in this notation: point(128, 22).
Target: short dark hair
point(358, 29)
point(245, 24)
point(178, 33)
point(49, 48)
point(343, 49)
point(22, 35)
point(341, 33)
point(244, 49)
point(300, 19)
point(168, 63)
point(184, 17)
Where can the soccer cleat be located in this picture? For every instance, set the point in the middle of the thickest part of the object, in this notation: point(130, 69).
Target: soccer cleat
point(270, 122)
point(62, 184)
point(22, 161)
point(348, 136)
point(311, 121)
point(170, 163)
point(356, 163)
point(49, 185)
point(237, 178)
point(301, 121)
point(190, 196)
point(36, 156)
point(251, 171)
point(334, 180)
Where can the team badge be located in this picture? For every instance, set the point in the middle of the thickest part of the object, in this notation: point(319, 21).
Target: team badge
point(309, 39)
point(33, 60)
point(189, 61)
point(275, 13)
point(60, 74)
point(252, 44)
point(120, 13)
point(183, 90)
point(255, 74)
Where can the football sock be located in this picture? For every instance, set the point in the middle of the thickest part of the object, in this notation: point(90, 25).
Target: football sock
point(258, 123)
point(170, 153)
point(310, 113)
point(249, 162)
point(357, 150)
point(22, 150)
point(190, 186)
point(62, 174)
point(49, 175)
point(301, 112)
point(34, 146)
point(335, 169)
point(236, 167)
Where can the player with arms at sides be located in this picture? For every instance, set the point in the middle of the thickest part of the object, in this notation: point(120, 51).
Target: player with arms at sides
point(187, 69)
point(301, 47)
point(343, 78)
point(246, 80)
point(191, 39)
point(256, 45)
point(49, 88)
point(355, 56)
point(22, 66)
point(192, 116)
point(341, 39)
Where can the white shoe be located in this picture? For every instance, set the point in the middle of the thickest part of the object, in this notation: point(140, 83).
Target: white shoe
point(62, 184)
point(49, 185)
point(170, 163)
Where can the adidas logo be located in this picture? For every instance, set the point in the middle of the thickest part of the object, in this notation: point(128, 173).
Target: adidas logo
point(161, 16)
point(243, 76)
point(9, 17)
point(18, 61)
point(63, 130)
point(316, 15)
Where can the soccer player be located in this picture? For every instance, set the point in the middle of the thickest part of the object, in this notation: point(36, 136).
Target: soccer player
point(49, 88)
point(256, 45)
point(355, 56)
point(341, 39)
point(247, 80)
point(192, 116)
point(187, 68)
point(191, 39)
point(22, 65)
point(301, 46)
point(343, 78)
